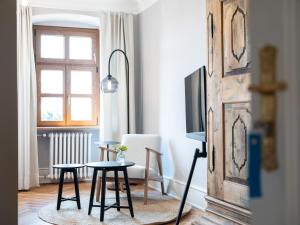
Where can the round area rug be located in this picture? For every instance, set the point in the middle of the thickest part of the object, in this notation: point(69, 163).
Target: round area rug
point(159, 210)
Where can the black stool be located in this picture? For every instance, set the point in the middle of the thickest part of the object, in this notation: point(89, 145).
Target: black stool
point(64, 168)
point(106, 166)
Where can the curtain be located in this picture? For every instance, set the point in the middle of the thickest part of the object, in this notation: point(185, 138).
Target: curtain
point(28, 170)
point(116, 32)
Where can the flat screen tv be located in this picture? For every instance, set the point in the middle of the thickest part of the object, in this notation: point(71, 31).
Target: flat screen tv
point(195, 105)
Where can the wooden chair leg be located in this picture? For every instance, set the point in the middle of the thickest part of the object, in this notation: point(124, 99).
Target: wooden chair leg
point(146, 178)
point(146, 192)
point(122, 186)
point(99, 184)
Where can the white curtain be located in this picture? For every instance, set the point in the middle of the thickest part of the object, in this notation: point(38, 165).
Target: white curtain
point(28, 171)
point(116, 32)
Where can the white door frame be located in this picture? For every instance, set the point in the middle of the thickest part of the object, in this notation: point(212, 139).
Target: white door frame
point(292, 121)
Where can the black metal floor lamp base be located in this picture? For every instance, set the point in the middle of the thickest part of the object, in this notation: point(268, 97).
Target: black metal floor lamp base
point(197, 155)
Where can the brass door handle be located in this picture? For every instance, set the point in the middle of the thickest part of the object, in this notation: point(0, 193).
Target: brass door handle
point(268, 88)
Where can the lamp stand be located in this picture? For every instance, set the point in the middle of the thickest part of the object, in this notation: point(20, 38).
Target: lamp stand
point(127, 82)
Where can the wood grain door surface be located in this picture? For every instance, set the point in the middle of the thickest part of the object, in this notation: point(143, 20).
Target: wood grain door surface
point(229, 108)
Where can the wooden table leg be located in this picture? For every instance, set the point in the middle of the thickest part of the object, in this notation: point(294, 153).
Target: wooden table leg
point(103, 195)
point(60, 188)
point(128, 192)
point(117, 189)
point(98, 190)
point(92, 191)
point(76, 188)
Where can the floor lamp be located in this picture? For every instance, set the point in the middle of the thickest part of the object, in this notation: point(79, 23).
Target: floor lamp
point(110, 84)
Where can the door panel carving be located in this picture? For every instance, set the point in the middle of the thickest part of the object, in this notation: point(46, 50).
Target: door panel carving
point(211, 150)
point(210, 39)
point(236, 127)
point(236, 38)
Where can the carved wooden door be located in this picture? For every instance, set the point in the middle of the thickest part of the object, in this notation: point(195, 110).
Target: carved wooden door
point(229, 109)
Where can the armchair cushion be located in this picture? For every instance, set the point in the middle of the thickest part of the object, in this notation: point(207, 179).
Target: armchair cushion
point(136, 148)
point(137, 144)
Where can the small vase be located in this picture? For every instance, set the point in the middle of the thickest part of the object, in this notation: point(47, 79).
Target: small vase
point(121, 156)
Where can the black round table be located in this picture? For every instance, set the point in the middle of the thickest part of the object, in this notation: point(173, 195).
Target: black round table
point(105, 167)
point(64, 168)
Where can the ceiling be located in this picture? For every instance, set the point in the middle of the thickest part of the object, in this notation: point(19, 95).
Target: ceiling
point(129, 6)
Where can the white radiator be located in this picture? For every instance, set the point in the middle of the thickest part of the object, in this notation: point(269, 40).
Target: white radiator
point(66, 147)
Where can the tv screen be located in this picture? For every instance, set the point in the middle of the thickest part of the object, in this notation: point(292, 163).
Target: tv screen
point(195, 104)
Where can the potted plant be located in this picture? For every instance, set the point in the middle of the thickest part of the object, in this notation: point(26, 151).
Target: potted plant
point(121, 153)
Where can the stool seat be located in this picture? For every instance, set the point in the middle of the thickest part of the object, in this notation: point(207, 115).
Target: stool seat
point(65, 168)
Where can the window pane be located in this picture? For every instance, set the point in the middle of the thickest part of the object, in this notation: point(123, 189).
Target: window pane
point(81, 109)
point(52, 109)
point(52, 82)
point(81, 82)
point(52, 46)
point(81, 48)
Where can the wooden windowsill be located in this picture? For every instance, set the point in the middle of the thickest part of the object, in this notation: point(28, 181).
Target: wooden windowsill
point(70, 128)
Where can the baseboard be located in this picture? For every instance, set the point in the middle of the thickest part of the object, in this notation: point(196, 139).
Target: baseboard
point(43, 172)
point(44, 179)
point(175, 188)
point(228, 211)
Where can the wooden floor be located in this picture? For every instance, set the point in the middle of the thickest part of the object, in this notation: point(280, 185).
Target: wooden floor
point(31, 201)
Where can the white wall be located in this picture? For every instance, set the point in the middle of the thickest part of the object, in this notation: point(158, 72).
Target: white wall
point(65, 18)
point(173, 45)
point(128, 6)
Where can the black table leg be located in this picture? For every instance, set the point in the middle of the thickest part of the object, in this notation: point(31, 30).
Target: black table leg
point(60, 188)
point(128, 192)
point(76, 189)
point(103, 195)
point(92, 191)
point(117, 189)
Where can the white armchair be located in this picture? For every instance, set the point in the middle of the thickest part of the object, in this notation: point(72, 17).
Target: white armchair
point(143, 149)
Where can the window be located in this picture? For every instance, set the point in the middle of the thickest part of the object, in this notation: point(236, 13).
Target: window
point(67, 76)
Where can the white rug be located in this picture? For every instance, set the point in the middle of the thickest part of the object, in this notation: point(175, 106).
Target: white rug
point(159, 210)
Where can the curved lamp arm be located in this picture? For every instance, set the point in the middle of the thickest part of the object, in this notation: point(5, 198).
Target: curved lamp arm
point(127, 81)
point(110, 57)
